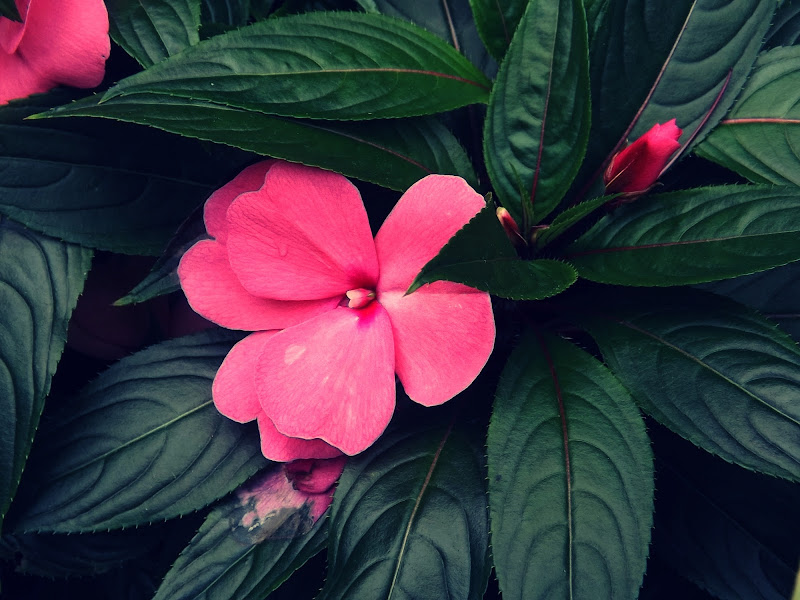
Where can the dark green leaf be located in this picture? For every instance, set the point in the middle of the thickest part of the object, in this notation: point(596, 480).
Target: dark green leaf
point(393, 153)
point(231, 559)
point(409, 520)
point(8, 9)
point(152, 30)
point(759, 139)
point(163, 276)
point(595, 14)
point(774, 293)
point(731, 531)
point(141, 443)
point(451, 20)
point(785, 28)
point(692, 236)
point(40, 280)
point(572, 216)
point(95, 185)
point(570, 478)
point(711, 370)
point(334, 65)
point(226, 12)
point(538, 118)
point(497, 21)
point(481, 256)
point(692, 48)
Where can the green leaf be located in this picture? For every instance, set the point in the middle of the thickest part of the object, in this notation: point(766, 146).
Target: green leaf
point(692, 236)
point(537, 123)
point(231, 559)
point(152, 30)
point(692, 48)
point(332, 66)
point(163, 276)
point(785, 28)
point(409, 520)
point(141, 443)
point(759, 139)
point(95, 185)
point(774, 293)
point(40, 280)
point(392, 153)
point(481, 256)
point(731, 531)
point(711, 370)
point(226, 12)
point(497, 21)
point(8, 9)
point(451, 20)
point(570, 477)
point(572, 216)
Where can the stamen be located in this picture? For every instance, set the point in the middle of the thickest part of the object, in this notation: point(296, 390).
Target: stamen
point(360, 298)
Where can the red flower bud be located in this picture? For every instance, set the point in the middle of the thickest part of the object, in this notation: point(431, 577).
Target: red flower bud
point(637, 167)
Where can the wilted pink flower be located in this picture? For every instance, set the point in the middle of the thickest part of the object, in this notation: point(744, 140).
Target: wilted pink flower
point(635, 168)
point(59, 42)
point(293, 259)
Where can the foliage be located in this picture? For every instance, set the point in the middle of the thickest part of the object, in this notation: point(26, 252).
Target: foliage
point(636, 432)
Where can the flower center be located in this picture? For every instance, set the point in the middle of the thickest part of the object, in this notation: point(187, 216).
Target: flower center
point(360, 298)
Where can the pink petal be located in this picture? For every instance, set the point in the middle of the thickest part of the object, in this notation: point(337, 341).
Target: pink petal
point(216, 207)
point(303, 236)
point(281, 448)
point(331, 378)
point(425, 218)
point(11, 32)
point(65, 42)
point(314, 476)
point(443, 336)
point(234, 388)
point(213, 291)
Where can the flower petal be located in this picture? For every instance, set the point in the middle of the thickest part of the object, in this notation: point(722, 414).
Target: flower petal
point(234, 389)
point(216, 207)
point(11, 32)
point(443, 336)
point(303, 236)
point(213, 291)
point(66, 42)
point(331, 378)
point(425, 218)
point(282, 448)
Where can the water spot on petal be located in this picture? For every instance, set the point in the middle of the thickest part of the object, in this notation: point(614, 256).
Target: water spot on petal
point(292, 353)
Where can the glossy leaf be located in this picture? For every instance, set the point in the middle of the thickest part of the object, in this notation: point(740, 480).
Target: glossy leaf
point(700, 41)
point(333, 66)
point(152, 30)
point(40, 280)
point(774, 293)
point(227, 559)
point(141, 443)
point(731, 531)
point(392, 153)
point(409, 520)
point(8, 9)
point(760, 136)
point(711, 370)
point(481, 256)
point(451, 20)
point(163, 276)
point(95, 186)
point(570, 217)
point(537, 123)
point(570, 478)
point(497, 21)
point(692, 236)
point(785, 28)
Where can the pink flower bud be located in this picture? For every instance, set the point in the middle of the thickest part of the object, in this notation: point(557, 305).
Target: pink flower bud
point(637, 167)
point(510, 226)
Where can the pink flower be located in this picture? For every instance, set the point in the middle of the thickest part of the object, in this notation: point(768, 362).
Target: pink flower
point(293, 260)
point(637, 167)
point(59, 42)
